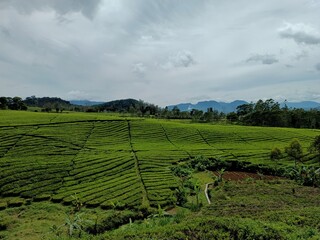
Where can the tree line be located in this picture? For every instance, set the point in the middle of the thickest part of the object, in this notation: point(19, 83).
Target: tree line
point(15, 103)
point(261, 113)
point(269, 113)
point(46, 104)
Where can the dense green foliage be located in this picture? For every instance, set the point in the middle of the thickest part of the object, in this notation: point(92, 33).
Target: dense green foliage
point(315, 147)
point(132, 106)
point(48, 103)
point(304, 175)
point(269, 113)
point(15, 103)
point(275, 154)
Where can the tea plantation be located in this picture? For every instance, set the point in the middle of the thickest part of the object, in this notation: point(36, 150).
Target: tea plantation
point(107, 159)
point(116, 165)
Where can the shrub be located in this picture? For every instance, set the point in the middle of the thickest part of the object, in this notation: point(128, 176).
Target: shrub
point(15, 202)
point(315, 147)
point(308, 176)
point(3, 205)
point(3, 225)
point(182, 171)
point(275, 154)
point(201, 163)
point(41, 197)
point(181, 195)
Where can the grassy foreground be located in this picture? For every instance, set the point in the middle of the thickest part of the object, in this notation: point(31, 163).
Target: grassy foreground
point(239, 210)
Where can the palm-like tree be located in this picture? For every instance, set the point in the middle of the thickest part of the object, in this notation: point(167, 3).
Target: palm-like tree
point(221, 172)
point(74, 222)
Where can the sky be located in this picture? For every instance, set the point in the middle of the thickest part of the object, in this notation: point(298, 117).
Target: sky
point(161, 51)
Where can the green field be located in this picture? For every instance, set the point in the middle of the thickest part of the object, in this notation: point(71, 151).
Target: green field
point(107, 159)
point(111, 159)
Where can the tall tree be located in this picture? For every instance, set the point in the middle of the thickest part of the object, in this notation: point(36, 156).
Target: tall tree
point(3, 103)
point(315, 147)
point(294, 150)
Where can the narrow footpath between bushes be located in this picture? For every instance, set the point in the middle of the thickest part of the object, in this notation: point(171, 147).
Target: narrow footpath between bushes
point(206, 193)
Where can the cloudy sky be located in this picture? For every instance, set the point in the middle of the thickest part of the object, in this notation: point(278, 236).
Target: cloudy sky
point(161, 51)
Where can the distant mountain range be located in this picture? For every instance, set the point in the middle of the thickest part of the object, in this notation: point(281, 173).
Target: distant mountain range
point(204, 105)
point(232, 106)
point(305, 105)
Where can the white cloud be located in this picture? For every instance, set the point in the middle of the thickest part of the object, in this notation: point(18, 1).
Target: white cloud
point(317, 66)
point(146, 38)
point(300, 33)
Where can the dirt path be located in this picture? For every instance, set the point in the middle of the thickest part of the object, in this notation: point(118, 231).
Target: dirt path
point(206, 193)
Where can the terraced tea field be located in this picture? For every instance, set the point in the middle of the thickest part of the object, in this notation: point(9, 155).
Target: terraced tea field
point(106, 159)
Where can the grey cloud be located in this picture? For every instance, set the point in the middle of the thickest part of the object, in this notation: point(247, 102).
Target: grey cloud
point(300, 55)
point(180, 59)
point(5, 31)
point(139, 69)
point(317, 66)
point(183, 48)
point(315, 96)
point(313, 3)
point(300, 33)
point(62, 7)
point(165, 10)
point(289, 66)
point(264, 59)
point(77, 94)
